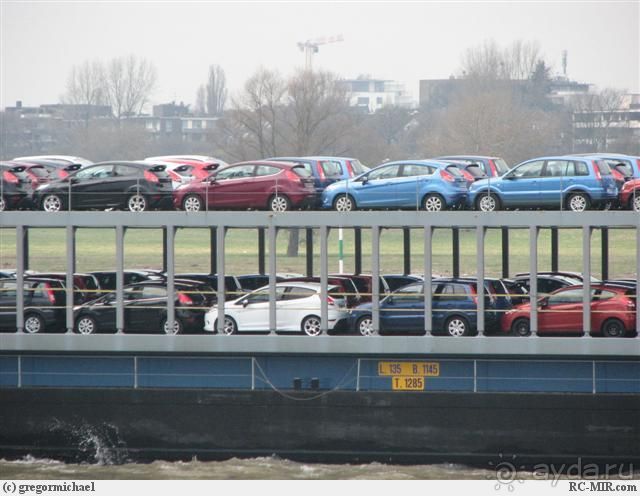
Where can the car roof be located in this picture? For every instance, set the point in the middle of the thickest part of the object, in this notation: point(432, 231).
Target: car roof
point(467, 157)
point(283, 164)
point(316, 286)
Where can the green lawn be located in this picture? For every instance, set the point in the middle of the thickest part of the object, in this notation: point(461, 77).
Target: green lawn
point(143, 248)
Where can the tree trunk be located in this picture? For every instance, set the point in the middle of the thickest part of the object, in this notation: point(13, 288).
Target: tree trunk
point(294, 242)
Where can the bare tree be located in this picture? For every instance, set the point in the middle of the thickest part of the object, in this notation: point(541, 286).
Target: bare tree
point(488, 61)
point(201, 101)
point(129, 81)
point(86, 86)
point(594, 115)
point(216, 90)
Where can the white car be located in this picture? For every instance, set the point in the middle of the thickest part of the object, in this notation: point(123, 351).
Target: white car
point(190, 158)
point(297, 310)
point(57, 158)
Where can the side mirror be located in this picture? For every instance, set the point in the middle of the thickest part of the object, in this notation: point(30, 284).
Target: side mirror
point(364, 179)
point(245, 303)
point(544, 302)
point(509, 176)
point(390, 300)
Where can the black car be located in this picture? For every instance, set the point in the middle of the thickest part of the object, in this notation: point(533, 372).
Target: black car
point(547, 283)
point(145, 309)
point(44, 304)
point(107, 279)
point(16, 187)
point(130, 185)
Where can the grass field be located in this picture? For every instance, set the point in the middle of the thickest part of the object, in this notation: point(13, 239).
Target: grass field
point(95, 249)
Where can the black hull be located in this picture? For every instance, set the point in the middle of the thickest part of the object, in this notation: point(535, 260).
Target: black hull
point(119, 425)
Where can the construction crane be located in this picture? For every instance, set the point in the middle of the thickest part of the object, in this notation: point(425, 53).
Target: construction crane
point(310, 47)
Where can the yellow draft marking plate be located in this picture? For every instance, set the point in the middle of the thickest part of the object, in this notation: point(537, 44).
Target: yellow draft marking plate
point(409, 369)
point(407, 383)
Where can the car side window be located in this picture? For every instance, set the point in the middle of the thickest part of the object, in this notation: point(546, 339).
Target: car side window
point(566, 297)
point(262, 296)
point(154, 292)
point(409, 293)
point(528, 170)
point(237, 172)
point(556, 168)
point(387, 172)
point(127, 171)
point(267, 170)
point(577, 169)
point(99, 172)
point(411, 170)
point(296, 293)
point(331, 168)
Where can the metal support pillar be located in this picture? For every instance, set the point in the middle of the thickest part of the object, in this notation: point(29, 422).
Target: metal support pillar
point(455, 240)
point(357, 232)
point(554, 249)
point(604, 274)
point(406, 238)
point(428, 269)
point(164, 249)
point(213, 250)
point(272, 278)
point(25, 247)
point(480, 237)
point(375, 277)
point(20, 268)
point(71, 269)
point(505, 252)
point(324, 279)
point(171, 271)
point(533, 278)
point(261, 250)
point(586, 281)
point(309, 246)
point(120, 230)
point(220, 286)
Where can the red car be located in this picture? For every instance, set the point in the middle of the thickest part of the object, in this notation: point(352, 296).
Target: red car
point(630, 195)
point(276, 186)
point(613, 312)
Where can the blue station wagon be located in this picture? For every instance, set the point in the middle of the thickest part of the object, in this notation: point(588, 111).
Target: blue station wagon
point(426, 184)
point(571, 182)
point(454, 310)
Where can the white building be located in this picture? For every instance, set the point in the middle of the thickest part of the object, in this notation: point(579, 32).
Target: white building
point(373, 94)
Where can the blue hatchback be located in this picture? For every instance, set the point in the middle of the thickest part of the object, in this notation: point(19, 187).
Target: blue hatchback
point(426, 184)
point(454, 310)
point(572, 182)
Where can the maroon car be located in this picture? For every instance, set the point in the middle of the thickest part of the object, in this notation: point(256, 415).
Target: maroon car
point(276, 186)
point(630, 195)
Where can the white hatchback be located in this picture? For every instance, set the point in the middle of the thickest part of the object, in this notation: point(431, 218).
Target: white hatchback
point(297, 310)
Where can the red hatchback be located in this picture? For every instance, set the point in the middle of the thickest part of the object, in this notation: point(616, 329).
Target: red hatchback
point(613, 312)
point(276, 186)
point(630, 195)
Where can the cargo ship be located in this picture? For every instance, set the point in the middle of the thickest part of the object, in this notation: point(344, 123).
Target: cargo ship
point(394, 399)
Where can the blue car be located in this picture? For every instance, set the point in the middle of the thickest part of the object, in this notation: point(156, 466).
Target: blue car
point(426, 184)
point(454, 310)
point(489, 166)
point(572, 182)
point(627, 165)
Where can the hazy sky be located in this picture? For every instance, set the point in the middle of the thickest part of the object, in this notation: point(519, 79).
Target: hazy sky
point(405, 41)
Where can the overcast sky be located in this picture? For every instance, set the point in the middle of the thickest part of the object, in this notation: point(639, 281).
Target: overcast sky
point(41, 41)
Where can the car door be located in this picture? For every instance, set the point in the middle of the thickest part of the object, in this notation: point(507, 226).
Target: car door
point(268, 179)
point(232, 187)
point(414, 180)
point(127, 179)
point(252, 311)
point(553, 182)
point(145, 306)
point(293, 304)
point(561, 312)
point(377, 188)
point(8, 305)
point(91, 187)
point(404, 310)
point(521, 187)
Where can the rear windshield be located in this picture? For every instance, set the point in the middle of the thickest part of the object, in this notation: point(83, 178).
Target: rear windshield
point(476, 171)
point(454, 170)
point(623, 167)
point(303, 170)
point(501, 165)
point(603, 167)
point(331, 168)
point(38, 171)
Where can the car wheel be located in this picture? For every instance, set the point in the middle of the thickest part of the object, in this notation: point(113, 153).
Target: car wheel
point(229, 327)
point(311, 325)
point(433, 203)
point(457, 326)
point(137, 203)
point(3, 204)
point(279, 203)
point(613, 328)
point(52, 203)
point(635, 203)
point(86, 325)
point(578, 202)
point(344, 203)
point(175, 329)
point(365, 326)
point(192, 203)
point(33, 323)
point(487, 203)
point(521, 327)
